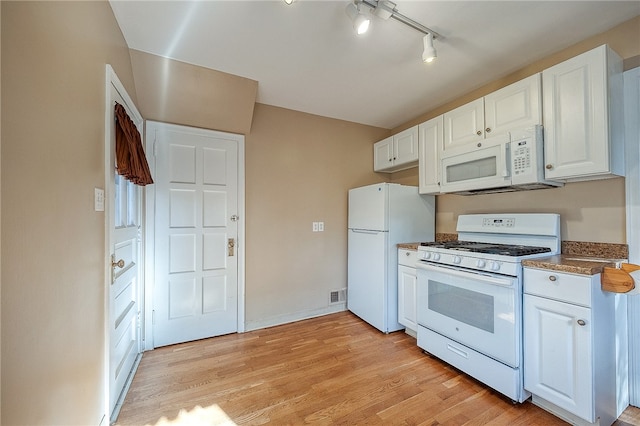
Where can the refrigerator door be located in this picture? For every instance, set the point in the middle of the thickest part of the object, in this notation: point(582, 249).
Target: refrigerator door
point(366, 277)
point(368, 207)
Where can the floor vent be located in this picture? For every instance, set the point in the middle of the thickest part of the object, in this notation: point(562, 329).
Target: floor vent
point(338, 296)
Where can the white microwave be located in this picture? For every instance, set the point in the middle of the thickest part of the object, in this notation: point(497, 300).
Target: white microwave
point(510, 162)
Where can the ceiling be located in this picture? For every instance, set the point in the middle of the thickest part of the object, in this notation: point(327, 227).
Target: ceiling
point(306, 56)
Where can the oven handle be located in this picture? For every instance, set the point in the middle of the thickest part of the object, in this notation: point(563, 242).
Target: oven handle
point(489, 279)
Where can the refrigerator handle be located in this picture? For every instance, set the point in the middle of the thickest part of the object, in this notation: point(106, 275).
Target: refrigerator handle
point(365, 231)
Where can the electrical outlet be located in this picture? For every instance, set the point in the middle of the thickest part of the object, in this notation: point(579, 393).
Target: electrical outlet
point(98, 199)
point(315, 227)
point(320, 226)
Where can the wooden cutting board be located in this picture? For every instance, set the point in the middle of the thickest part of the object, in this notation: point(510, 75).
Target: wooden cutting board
point(618, 280)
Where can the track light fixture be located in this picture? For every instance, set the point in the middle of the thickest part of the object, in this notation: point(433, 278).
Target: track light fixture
point(360, 22)
point(429, 53)
point(386, 9)
point(289, 2)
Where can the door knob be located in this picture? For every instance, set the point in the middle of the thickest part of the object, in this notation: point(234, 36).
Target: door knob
point(119, 263)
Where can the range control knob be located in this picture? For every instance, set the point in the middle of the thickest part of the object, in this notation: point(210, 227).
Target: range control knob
point(457, 260)
point(426, 255)
point(481, 263)
point(436, 256)
point(494, 266)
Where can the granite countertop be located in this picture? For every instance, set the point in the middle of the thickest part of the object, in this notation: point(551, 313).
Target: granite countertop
point(408, 246)
point(573, 264)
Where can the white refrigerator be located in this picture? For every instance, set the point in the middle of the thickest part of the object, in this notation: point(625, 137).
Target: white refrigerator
point(380, 217)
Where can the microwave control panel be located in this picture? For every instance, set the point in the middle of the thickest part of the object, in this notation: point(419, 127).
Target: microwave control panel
point(521, 156)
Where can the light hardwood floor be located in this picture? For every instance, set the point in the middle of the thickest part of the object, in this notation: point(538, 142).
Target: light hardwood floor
point(335, 369)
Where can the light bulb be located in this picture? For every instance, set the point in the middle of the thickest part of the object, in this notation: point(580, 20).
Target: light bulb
point(429, 53)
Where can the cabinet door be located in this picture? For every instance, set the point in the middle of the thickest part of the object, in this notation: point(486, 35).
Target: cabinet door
point(405, 146)
point(575, 116)
point(515, 106)
point(407, 283)
point(383, 154)
point(430, 137)
point(463, 127)
point(557, 354)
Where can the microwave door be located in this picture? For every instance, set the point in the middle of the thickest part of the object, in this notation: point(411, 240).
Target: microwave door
point(483, 168)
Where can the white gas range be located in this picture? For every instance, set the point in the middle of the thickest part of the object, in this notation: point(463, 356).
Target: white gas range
point(470, 294)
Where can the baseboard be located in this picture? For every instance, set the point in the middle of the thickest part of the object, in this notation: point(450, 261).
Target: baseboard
point(294, 316)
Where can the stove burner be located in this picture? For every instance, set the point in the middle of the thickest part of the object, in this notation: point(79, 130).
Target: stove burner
point(489, 248)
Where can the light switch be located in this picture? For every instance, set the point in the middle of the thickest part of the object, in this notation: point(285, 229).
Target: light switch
point(320, 226)
point(314, 226)
point(98, 199)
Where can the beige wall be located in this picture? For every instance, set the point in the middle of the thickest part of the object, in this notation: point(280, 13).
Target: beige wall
point(53, 81)
point(299, 168)
point(176, 92)
point(590, 211)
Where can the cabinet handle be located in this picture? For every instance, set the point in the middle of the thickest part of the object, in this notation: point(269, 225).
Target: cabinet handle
point(479, 132)
point(549, 166)
point(394, 158)
point(479, 144)
point(390, 159)
point(552, 278)
point(581, 322)
point(488, 130)
point(408, 254)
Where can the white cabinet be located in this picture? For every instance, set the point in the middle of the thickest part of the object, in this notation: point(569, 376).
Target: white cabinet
point(430, 139)
point(569, 346)
point(515, 106)
point(397, 152)
point(407, 287)
point(583, 117)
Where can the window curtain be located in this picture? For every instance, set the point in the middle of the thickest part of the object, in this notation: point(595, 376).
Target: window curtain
point(131, 161)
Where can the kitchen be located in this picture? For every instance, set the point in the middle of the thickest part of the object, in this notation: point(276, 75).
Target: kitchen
point(343, 149)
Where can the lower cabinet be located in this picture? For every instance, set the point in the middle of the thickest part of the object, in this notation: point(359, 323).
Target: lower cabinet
point(569, 346)
point(407, 285)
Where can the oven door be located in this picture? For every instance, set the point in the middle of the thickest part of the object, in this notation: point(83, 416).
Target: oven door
point(475, 309)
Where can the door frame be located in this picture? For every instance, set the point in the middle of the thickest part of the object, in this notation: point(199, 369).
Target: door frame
point(632, 201)
point(111, 79)
point(149, 239)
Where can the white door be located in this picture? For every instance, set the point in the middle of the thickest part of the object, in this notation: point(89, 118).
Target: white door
point(558, 359)
point(463, 127)
point(516, 106)
point(123, 203)
point(430, 140)
point(405, 146)
point(196, 231)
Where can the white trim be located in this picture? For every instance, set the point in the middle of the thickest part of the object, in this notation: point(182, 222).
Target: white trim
point(150, 196)
point(295, 316)
point(112, 80)
point(149, 246)
point(632, 137)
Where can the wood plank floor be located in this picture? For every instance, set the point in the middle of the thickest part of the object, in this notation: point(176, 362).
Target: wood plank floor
point(335, 369)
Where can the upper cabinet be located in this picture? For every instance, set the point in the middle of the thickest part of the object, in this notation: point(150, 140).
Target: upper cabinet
point(397, 152)
point(583, 117)
point(515, 106)
point(430, 138)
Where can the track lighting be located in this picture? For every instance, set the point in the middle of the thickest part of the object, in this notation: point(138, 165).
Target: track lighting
point(386, 9)
point(429, 53)
point(360, 22)
point(289, 2)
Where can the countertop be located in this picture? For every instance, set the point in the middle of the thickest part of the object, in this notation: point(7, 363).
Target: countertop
point(573, 264)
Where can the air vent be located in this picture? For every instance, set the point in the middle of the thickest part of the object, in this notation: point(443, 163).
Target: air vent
point(338, 296)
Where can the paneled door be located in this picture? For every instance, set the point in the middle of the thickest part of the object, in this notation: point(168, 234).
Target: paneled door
point(196, 233)
point(123, 208)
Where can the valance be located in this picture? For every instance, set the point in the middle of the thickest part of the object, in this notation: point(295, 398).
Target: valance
point(131, 161)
